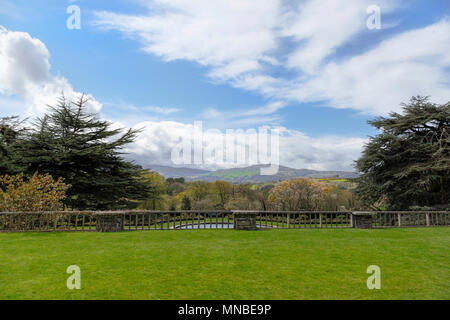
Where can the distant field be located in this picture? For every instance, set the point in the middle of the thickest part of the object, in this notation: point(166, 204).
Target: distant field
point(230, 175)
point(333, 180)
point(228, 264)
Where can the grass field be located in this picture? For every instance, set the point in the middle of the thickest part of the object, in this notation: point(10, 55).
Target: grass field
point(228, 264)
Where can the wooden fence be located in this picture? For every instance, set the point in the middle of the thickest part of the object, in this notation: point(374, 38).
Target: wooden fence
point(392, 219)
point(176, 220)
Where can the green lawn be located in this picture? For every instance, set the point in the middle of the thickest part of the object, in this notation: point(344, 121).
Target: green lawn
point(228, 264)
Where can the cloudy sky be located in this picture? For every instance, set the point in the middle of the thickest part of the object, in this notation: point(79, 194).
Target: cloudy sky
point(312, 68)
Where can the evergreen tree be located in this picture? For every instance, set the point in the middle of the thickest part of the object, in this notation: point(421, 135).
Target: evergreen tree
point(408, 163)
point(74, 144)
point(186, 203)
point(11, 130)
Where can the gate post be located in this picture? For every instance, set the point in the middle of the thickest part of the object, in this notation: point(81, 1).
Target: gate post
point(244, 220)
point(363, 220)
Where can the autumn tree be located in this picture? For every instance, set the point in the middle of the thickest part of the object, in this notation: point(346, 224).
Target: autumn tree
point(157, 188)
point(39, 193)
point(224, 190)
point(199, 190)
point(297, 194)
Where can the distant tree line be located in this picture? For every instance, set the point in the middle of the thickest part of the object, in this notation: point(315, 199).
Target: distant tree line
point(292, 195)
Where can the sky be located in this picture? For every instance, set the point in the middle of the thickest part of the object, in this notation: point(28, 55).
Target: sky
point(316, 71)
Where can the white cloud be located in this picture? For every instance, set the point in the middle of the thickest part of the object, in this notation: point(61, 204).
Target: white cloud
point(412, 63)
point(264, 115)
point(154, 146)
point(298, 150)
point(241, 42)
point(25, 74)
point(231, 36)
point(161, 110)
point(141, 109)
point(320, 27)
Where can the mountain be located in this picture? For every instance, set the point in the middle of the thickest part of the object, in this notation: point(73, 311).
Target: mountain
point(247, 174)
point(173, 172)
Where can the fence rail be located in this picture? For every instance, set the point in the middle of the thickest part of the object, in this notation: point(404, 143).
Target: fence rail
point(74, 221)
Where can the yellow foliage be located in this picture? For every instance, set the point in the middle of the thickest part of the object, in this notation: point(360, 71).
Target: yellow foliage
point(297, 194)
point(39, 193)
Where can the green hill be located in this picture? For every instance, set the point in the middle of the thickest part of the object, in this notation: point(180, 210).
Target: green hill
point(250, 174)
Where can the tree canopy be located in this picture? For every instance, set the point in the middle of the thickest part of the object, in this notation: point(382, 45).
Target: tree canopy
point(297, 194)
point(39, 193)
point(11, 130)
point(71, 143)
point(408, 164)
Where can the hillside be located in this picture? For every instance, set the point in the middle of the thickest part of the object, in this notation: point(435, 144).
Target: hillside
point(172, 172)
point(247, 174)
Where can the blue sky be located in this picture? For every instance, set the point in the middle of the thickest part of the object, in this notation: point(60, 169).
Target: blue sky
point(311, 67)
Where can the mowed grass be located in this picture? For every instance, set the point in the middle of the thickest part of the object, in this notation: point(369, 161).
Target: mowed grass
point(228, 264)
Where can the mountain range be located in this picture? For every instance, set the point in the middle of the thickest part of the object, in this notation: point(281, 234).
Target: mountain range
point(246, 175)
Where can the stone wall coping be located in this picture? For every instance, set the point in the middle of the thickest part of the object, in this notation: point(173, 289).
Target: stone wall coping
point(364, 213)
point(125, 212)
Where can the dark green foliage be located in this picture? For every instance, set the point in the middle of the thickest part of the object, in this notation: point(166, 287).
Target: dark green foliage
point(186, 203)
point(71, 143)
point(175, 180)
point(408, 163)
point(10, 133)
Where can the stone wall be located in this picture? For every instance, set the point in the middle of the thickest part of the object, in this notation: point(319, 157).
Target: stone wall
point(245, 221)
point(363, 220)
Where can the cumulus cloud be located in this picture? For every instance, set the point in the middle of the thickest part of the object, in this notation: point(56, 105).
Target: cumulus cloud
point(25, 74)
point(242, 42)
point(156, 143)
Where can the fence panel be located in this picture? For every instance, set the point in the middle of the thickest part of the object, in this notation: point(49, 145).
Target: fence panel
point(75, 221)
point(397, 219)
point(303, 220)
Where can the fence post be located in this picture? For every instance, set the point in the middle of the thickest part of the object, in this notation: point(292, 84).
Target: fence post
point(320, 220)
point(55, 221)
point(399, 219)
point(427, 216)
point(288, 220)
point(363, 220)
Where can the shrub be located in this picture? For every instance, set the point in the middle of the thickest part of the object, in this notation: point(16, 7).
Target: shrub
point(39, 193)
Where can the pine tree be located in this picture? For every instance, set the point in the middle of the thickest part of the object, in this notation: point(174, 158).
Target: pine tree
point(408, 163)
point(186, 203)
point(72, 143)
point(11, 130)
